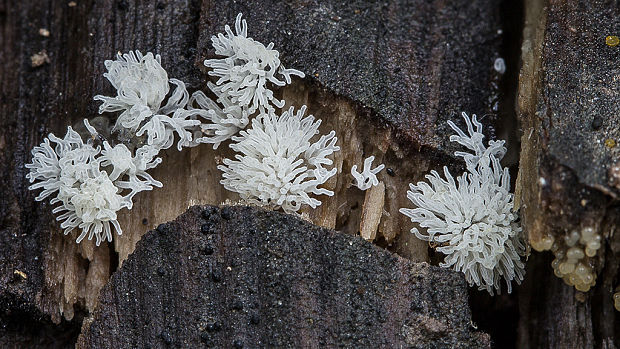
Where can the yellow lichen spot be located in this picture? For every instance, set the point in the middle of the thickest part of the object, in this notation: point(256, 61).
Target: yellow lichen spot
point(610, 143)
point(612, 40)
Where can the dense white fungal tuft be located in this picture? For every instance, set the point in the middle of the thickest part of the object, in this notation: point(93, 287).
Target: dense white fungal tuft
point(471, 219)
point(129, 172)
point(91, 181)
point(246, 69)
point(278, 164)
point(91, 205)
point(90, 184)
point(70, 169)
point(142, 86)
point(368, 177)
point(223, 122)
point(246, 72)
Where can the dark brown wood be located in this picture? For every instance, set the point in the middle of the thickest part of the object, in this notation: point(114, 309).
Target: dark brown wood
point(237, 275)
point(384, 76)
point(415, 64)
point(43, 274)
point(570, 111)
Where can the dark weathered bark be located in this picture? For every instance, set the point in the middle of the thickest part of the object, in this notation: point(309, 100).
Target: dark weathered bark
point(386, 76)
point(37, 99)
point(239, 275)
point(404, 68)
point(570, 110)
point(415, 64)
point(42, 273)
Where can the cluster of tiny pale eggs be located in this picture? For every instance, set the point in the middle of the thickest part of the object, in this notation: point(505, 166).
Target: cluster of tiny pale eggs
point(572, 256)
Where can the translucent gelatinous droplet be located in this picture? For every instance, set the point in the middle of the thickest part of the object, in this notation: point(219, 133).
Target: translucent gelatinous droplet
point(547, 242)
point(575, 253)
point(588, 278)
point(582, 287)
point(581, 270)
point(595, 245)
point(572, 238)
point(567, 268)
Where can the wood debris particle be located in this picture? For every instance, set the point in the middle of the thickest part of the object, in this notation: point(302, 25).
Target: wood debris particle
point(372, 210)
point(612, 40)
point(72, 4)
point(610, 143)
point(38, 59)
point(21, 274)
point(44, 32)
point(614, 175)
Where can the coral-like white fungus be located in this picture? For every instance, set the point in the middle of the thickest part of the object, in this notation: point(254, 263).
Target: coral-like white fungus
point(71, 170)
point(245, 73)
point(46, 166)
point(142, 86)
point(278, 165)
point(246, 69)
point(88, 181)
point(368, 177)
point(471, 219)
point(122, 164)
point(160, 129)
point(224, 122)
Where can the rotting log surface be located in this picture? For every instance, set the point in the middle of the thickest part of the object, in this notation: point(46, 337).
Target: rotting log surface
point(416, 64)
point(245, 276)
point(569, 105)
point(398, 68)
point(42, 273)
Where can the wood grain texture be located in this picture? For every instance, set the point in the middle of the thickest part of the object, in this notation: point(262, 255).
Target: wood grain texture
point(240, 276)
point(48, 98)
point(415, 64)
point(384, 76)
point(569, 106)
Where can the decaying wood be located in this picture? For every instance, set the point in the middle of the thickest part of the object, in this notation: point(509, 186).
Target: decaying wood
point(240, 276)
point(416, 64)
point(404, 73)
point(386, 77)
point(569, 107)
point(372, 211)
